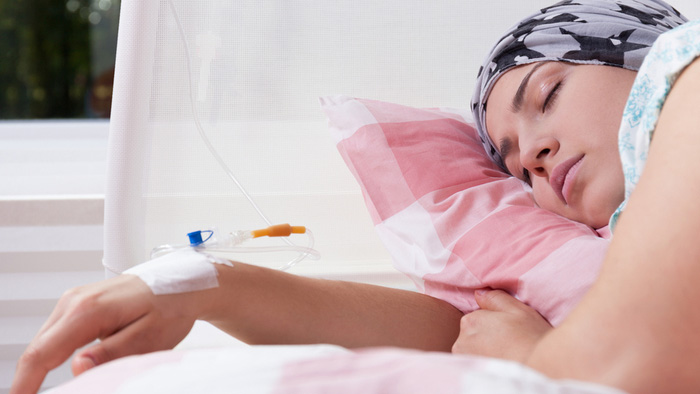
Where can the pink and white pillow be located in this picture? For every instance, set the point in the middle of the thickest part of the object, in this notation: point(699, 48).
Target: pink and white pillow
point(450, 218)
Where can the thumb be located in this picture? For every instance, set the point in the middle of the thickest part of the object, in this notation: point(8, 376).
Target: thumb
point(98, 354)
point(496, 300)
point(82, 363)
point(124, 342)
point(144, 335)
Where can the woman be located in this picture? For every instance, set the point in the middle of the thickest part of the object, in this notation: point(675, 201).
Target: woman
point(552, 122)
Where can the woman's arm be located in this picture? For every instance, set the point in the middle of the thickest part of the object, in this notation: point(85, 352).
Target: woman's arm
point(259, 305)
point(638, 328)
point(255, 304)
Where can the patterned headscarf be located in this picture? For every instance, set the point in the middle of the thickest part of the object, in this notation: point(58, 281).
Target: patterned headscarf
point(615, 33)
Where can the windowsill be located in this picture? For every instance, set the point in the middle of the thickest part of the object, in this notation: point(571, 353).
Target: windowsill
point(52, 159)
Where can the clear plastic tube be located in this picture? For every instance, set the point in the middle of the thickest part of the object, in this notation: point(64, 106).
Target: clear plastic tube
point(303, 252)
point(227, 247)
point(198, 124)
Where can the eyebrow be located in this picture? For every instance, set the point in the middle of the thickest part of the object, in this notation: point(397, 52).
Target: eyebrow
point(517, 103)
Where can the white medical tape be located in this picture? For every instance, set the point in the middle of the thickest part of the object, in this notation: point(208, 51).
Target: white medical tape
point(179, 272)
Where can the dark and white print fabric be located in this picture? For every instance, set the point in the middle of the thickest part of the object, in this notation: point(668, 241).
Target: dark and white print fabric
point(608, 32)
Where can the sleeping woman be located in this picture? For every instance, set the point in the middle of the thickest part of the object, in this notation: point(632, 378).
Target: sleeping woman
point(549, 104)
point(568, 101)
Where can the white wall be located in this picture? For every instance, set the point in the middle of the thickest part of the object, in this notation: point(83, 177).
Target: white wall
point(689, 8)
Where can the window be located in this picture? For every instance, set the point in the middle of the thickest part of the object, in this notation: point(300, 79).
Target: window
point(57, 58)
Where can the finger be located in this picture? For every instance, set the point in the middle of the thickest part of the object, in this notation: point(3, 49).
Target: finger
point(79, 321)
point(113, 347)
point(497, 300)
point(474, 322)
point(147, 334)
point(31, 369)
point(51, 349)
point(58, 311)
point(46, 352)
point(473, 328)
point(469, 319)
point(40, 357)
point(27, 379)
point(459, 347)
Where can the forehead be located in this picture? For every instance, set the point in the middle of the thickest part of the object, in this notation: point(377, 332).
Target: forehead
point(509, 81)
point(500, 99)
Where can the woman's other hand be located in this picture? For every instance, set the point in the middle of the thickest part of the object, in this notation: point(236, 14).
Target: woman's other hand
point(503, 328)
point(121, 312)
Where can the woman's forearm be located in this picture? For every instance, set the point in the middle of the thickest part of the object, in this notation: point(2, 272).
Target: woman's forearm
point(255, 304)
point(259, 305)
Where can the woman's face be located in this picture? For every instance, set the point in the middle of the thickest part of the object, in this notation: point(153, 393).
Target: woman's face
point(555, 124)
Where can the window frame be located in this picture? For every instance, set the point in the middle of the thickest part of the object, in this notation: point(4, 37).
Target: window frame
point(42, 159)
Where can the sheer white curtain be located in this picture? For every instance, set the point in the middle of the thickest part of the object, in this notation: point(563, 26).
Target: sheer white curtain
point(257, 70)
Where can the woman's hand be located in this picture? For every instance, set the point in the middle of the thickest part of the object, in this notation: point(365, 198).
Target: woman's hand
point(504, 327)
point(121, 312)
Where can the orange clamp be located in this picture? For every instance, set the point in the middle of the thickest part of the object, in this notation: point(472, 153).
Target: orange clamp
point(278, 230)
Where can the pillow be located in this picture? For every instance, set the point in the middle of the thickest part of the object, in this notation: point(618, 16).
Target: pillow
point(450, 218)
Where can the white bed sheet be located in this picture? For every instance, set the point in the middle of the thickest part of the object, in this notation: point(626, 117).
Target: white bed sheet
point(315, 369)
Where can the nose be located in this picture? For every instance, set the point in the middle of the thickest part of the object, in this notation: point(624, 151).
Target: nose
point(536, 153)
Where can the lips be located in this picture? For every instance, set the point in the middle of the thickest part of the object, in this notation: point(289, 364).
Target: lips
point(562, 177)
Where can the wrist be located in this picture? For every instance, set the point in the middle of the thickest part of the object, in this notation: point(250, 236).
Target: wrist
point(196, 304)
point(209, 304)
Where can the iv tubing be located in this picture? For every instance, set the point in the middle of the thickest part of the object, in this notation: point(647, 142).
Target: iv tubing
point(305, 251)
point(197, 122)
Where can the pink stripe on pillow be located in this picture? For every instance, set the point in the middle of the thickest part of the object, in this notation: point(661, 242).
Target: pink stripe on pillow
point(384, 185)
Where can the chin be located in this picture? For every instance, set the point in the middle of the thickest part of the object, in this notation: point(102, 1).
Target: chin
point(599, 219)
point(596, 220)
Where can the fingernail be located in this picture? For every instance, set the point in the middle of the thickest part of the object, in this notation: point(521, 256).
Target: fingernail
point(86, 363)
point(480, 291)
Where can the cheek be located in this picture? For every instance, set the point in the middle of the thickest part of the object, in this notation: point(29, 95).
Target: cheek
point(602, 113)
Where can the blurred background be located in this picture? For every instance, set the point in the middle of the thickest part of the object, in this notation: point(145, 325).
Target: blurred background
point(57, 58)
